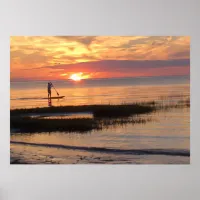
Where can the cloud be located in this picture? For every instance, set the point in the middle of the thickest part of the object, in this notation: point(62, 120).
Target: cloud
point(71, 48)
point(121, 66)
point(97, 54)
point(85, 40)
point(180, 54)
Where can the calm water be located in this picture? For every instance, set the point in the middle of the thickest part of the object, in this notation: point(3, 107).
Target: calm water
point(31, 94)
point(167, 131)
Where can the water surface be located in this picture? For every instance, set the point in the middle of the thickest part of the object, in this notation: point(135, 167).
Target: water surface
point(167, 133)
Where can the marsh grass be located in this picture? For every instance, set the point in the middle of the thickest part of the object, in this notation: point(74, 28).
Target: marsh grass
point(28, 124)
point(116, 122)
point(31, 125)
point(122, 110)
point(104, 116)
point(179, 104)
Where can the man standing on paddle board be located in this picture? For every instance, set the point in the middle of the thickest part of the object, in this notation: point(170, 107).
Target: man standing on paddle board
point(49, 86)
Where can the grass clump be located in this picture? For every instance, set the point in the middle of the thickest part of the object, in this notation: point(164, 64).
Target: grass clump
point(81, 125)
point(123, 110)
point(179, 104)
point(27, 124)
point(103, 115)
point(106, 123)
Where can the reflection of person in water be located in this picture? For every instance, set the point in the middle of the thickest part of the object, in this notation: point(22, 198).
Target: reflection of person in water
point(49, 86)
point(49, 103)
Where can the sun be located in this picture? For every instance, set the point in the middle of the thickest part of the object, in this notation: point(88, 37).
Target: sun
point(79, 76)
point(76, 77)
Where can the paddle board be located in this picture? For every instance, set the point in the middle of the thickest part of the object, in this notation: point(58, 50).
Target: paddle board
point(58, 97)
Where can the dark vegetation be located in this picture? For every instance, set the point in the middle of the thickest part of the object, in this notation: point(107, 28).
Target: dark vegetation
point(31, 125)
point(97, 110)
point(28, 124)
point(104, 116)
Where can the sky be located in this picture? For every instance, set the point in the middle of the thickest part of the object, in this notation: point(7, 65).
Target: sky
point(64, 57)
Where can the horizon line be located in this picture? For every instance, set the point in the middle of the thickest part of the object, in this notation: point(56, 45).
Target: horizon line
point(26, 80)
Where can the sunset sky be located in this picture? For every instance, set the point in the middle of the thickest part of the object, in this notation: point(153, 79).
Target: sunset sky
point(64, 57)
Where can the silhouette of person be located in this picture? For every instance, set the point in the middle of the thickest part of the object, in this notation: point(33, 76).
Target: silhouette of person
point(49, 86)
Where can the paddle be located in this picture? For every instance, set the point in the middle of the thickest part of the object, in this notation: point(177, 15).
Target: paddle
point(55, 89)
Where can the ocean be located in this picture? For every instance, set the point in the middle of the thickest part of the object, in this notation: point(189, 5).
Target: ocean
point(162, 140)
point(102, 91)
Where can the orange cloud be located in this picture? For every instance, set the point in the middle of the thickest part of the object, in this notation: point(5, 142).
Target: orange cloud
point(65, 74)
point(32, 52)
